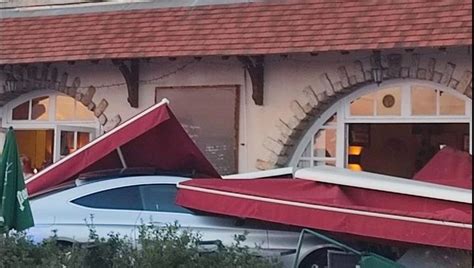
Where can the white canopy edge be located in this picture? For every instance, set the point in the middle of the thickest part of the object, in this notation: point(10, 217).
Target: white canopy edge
point(261, 174)
point(384, 183)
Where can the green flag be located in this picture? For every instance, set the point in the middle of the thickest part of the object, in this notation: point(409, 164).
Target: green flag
point(15, 211)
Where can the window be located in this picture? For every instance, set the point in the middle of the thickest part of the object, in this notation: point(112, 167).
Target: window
point(423, 101)
point(72, 139)
point(125, 198)
point(34, 109)
point(52, 125)
point(322, 149)
point(160, 197)
point(65, 108)
point(388, 102)
point(451, 105)
point(68, 109)
point(40, 108)
point(397, 123)
point(385, 102)
point(363, 106)
point(152, 197)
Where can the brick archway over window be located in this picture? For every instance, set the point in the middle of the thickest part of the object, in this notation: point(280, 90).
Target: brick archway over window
point(31, 77)
point(336, 84)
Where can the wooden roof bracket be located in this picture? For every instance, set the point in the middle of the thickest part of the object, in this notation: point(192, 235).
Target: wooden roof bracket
point(130, 70)
point(254, 66)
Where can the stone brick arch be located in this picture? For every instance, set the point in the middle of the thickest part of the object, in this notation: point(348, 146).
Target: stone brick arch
point(335, 84)
point(31, 77)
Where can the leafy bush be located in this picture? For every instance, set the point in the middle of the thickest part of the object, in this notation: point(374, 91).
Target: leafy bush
point(157, 247)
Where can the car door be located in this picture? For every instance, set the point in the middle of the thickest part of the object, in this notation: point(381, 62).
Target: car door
point(160, 209)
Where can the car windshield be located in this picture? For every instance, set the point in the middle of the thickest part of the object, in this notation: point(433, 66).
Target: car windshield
point(149, 197)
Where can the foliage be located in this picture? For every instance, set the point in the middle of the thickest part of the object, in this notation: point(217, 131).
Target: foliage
point(169, 246)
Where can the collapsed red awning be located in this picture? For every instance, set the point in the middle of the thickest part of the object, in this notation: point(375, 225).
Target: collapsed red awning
point(448, 167)
point(335, 208)
point(153, 138)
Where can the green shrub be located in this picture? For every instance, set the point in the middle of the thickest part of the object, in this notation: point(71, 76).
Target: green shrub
point(170, 246)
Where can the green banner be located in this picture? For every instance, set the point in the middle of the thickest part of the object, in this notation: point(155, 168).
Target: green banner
point(15, 211)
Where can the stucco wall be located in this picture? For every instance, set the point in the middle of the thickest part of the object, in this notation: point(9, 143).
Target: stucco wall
point(263, 137)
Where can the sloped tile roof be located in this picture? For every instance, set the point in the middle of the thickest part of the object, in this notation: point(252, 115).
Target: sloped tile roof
point(238, 29)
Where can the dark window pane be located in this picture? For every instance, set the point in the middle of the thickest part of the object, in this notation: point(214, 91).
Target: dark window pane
point(119, 198)
point(160, 197)
point(21, 112)
point(67, 142)
point(39, 108)
point(83, 138)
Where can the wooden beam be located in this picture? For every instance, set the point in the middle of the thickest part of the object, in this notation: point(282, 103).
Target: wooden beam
point(254, 66)
point(130, 70)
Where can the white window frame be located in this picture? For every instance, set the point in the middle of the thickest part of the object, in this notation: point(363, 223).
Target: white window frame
point(75, 129)
point(7, 115)
point(91, 126)
point(341, 108)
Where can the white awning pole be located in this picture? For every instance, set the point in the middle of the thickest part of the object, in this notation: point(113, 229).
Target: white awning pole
point(122, 159)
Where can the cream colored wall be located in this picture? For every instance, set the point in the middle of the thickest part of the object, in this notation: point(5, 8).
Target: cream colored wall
point(285, 78)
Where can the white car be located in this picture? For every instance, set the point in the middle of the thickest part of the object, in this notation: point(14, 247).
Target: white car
point(122, 201)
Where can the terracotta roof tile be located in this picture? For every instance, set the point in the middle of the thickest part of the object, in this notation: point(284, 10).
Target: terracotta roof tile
point(258, 28)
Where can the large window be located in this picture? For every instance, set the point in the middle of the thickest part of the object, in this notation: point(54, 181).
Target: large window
point(49, 126)
point(390, 130)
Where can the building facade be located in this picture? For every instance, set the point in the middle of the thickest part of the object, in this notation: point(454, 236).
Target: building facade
point(378, 91)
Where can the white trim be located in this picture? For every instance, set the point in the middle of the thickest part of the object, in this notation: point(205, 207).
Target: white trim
point(406, 100)
point(261, 174)
point(378, 182)
point(100, 138)
point(327, 208)
point(341, 142)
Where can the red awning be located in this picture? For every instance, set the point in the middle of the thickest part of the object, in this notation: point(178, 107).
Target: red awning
point(329, 207)
point(449, 167)
point(153, 138)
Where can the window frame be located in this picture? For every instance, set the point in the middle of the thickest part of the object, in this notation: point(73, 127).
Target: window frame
point(236, 91)
point(93, 126)
point(7, 114)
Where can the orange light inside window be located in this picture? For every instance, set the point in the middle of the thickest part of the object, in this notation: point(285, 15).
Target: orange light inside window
point(354, 167)
point(355, 150)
